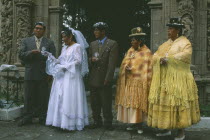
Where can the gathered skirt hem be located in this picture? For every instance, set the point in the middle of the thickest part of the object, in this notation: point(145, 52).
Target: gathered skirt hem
point(130, 115)
point(173, 117)
point(71, 127)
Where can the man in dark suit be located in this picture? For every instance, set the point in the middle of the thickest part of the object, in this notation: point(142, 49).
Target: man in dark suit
point(103, 56)
point(36, 94)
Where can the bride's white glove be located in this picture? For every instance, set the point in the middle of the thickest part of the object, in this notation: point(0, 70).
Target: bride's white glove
point(63, 68)
point(45, 53)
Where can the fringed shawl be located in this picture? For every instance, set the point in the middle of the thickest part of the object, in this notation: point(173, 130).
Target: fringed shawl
point(133, 86)
point(173, 84)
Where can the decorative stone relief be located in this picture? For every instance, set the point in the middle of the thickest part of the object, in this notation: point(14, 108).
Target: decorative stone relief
point(16, 24)
point(22, 24)
point(186, 12)
point(6, 31)
point(185, 6)
point(208, 37)
point(188, 31)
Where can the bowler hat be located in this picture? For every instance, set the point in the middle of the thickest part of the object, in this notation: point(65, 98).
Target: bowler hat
point(175, 22)
point(137, 32)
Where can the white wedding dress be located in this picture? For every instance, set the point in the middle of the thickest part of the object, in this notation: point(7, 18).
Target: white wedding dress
point(67, 107)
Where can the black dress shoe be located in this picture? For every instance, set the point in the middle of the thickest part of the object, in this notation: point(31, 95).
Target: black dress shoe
point(42, 121)
point(25, 121)
point(95, 125)
point(109, 127)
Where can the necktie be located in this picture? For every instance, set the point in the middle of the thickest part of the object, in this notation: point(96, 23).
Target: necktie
point(38, 43)
point(100, 47)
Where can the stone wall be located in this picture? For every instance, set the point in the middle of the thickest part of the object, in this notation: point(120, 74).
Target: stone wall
point(17, 18)
point(0, 27)
point(208, 34)
point(6, 30)
point(50, 11)
point(55, 20)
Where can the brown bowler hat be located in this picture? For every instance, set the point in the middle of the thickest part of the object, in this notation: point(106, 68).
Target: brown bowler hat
point(137, 32)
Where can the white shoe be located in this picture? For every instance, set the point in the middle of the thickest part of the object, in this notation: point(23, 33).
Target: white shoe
point(164, 134)
point(182, 138)
point(129, 128)
point(140, 131)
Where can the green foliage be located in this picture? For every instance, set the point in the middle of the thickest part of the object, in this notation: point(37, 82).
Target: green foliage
point(3, 93)
point(205, 110)
point(13, 100)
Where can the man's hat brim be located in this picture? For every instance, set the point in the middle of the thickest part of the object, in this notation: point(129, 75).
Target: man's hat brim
point(137, 34)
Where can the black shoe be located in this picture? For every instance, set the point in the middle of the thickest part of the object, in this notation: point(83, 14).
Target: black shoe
point(95, 125)
point(42, 121)
point(109, 127)
point(25, 121)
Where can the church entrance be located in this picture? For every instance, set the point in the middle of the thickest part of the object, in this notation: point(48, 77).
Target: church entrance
point(121, 16)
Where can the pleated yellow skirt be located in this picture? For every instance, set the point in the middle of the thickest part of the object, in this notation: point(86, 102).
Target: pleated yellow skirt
point(173, 117)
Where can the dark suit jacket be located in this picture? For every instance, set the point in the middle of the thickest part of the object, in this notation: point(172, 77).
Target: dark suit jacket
point(104, 68)
point(35, 63)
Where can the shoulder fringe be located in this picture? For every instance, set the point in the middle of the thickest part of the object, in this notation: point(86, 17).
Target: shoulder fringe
point(177, 84)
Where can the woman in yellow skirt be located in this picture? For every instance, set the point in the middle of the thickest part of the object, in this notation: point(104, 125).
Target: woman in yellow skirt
point(134, 81)
point(173, 96)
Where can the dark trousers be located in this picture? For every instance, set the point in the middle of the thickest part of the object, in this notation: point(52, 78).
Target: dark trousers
point(36, 98)
point(101, 100)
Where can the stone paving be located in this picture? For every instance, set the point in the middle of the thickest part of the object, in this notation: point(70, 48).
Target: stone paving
point(10, 131)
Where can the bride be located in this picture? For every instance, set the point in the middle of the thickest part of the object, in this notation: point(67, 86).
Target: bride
point(67, 107)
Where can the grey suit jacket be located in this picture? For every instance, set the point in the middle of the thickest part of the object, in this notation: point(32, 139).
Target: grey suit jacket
point(35, 63)
point(103, 69)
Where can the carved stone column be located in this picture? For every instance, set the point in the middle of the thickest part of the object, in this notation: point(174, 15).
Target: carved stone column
point(156, 23)
point(0, 27)
point(6, 31)
point(22, 25)
point(186, 12)
point(55, 24)
point(208, 35)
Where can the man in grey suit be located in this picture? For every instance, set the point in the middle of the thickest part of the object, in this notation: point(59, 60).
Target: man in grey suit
point(103, 56)
point(36, 94)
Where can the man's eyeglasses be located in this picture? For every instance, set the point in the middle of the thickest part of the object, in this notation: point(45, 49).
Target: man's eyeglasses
point(40, 23)
point(37, 28)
